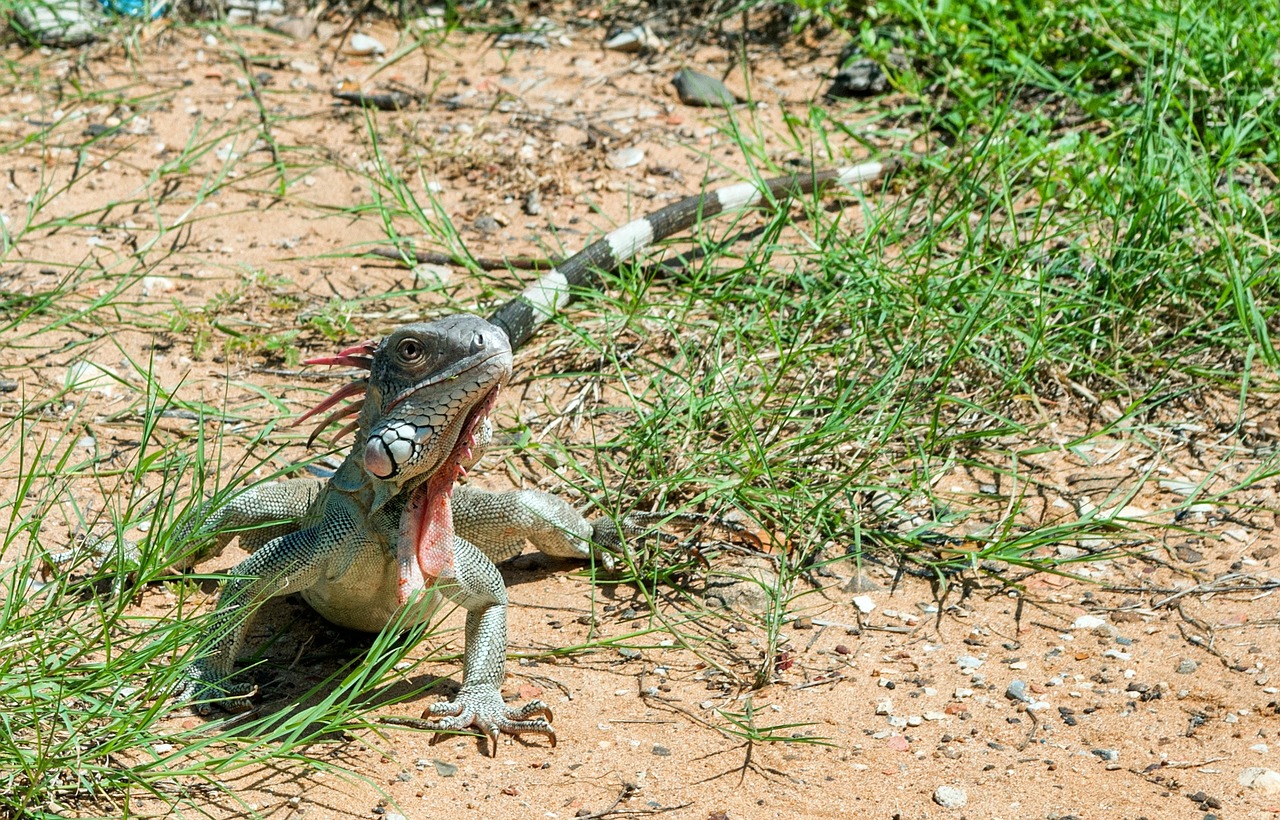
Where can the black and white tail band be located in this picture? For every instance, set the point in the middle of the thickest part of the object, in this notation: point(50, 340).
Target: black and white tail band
point(521, 316)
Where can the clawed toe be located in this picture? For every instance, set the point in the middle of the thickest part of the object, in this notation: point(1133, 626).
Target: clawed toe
point(491, 720)
point(202, 695)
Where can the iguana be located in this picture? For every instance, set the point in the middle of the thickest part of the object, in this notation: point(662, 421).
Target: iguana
point(391, 533)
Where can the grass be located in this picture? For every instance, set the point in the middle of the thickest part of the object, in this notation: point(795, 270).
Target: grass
point(1081, 252)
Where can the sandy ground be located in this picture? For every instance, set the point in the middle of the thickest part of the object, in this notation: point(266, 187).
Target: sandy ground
point(1142, 689)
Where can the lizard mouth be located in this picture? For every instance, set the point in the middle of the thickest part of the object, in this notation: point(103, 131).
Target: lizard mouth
point(424, 549)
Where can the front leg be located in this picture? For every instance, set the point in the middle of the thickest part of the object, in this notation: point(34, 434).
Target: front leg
point(500, 524)
point(258, 515)
point(477, 587)
point(291, 563)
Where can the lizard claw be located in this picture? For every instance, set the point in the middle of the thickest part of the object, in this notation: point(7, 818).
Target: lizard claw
point(202, 691)
point(614, 539)
point(491, 717)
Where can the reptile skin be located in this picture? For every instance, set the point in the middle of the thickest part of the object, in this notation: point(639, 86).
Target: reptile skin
point(391, 530)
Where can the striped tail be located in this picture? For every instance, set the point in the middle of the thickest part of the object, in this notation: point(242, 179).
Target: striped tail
point(546, 297)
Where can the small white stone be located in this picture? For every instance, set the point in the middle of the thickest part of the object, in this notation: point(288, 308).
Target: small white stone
point(1088, 622)
point(1178, 486)
point(362, 45)
point(625, 158)
point(432, 274)
point(1263, 780)
point(85, 375)
point(153, 284)
point(864, 604)
point(950, 797)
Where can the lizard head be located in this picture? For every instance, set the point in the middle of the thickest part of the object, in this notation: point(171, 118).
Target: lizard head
point(430, 388)
point(422, 379)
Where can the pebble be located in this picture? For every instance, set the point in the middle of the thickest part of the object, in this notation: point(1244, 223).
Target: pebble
point(1178, 486)
point(362, 45)
point(1238, 535)
point(862, 78)
point(968, 662)
point(1088, 622)
point(523, 39)
point(1189, 555)
point(295, 28)
point(950, 797)
point(1206, 801)
point(865, 605)
point(884, 707)
point(1262, 780)
point(624, 158)
point(1109, 755)
point(661, 751)
point(154, 284)
point(640, 38)
point(697, 89)
point(86, 375)
point(1017, 690)
point(432, 274)
point(444, 769)
point(1187, 666)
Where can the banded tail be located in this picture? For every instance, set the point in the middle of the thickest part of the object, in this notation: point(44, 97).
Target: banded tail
point(546, 297)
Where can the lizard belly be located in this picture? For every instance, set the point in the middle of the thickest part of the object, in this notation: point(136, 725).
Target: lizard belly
point(365, 597)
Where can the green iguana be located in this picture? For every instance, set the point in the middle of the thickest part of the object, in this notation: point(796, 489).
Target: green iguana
point(391, 529)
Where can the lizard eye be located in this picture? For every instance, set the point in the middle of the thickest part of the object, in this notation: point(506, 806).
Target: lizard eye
point(410, 351)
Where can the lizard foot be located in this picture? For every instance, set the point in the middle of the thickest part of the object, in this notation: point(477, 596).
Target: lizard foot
point(616, 538)
point(488, 714)
point(202, 691)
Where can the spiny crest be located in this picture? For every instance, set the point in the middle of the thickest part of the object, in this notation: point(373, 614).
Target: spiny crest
point(360, 356)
